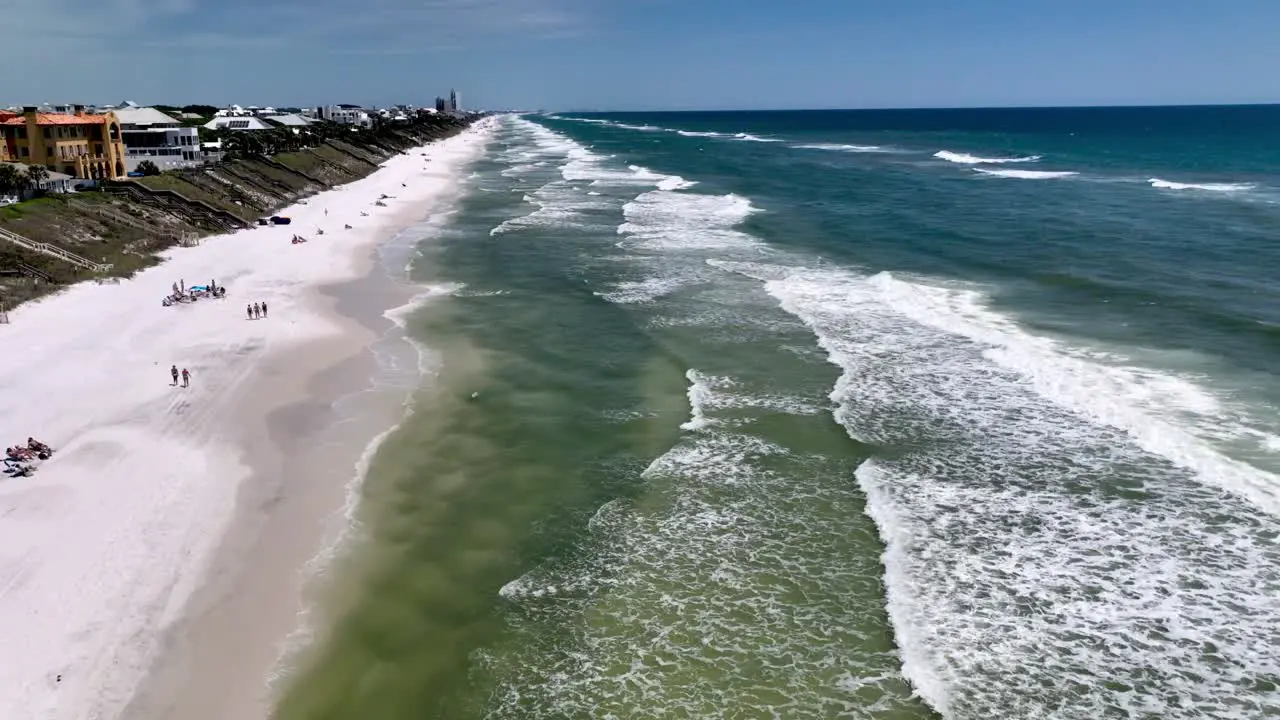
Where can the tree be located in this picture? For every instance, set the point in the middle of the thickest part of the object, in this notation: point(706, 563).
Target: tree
point(12, 180)
point(201, 110)
point(37, 176)
point(243, 143)
point(148, 168)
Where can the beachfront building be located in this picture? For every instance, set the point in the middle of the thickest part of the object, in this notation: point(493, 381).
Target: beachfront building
point(344, 115)
point(53, 182)
point(455, 101)
point(152, 135)
point(237, 122)
point(77, 144)
point(442, 105)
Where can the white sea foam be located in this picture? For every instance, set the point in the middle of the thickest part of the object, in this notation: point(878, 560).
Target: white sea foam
point(1027, 174)
point(700, 133)
point(641, 128)
point(755, 138)
point(675, 182)
point(700, 388)
point(1164, 414)
point(712, 393)
point(664, 219)
point(1210, 187)
point(630, 292)
point(967, 159)
point(839, 147)
point(1052, 522)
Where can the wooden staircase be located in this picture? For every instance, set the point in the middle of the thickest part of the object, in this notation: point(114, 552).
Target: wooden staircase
point(54, 251)
point(175, 203)
point(185, 239)
point(21, 268)
point(285, 168)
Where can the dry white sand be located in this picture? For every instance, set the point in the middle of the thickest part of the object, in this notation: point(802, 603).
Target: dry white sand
point(102, 548)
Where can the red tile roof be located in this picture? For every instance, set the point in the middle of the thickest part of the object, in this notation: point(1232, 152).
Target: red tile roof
point(58, 119)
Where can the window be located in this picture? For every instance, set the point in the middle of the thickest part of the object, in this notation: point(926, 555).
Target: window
point(48, 132)
point(97, 148)
point(25, 151)
point(238, 124)
point(22, 133)
point(48, 151)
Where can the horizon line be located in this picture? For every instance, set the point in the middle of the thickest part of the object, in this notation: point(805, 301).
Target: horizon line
point(929, 107)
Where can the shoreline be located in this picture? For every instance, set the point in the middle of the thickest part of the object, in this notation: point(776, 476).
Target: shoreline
point(203, 620)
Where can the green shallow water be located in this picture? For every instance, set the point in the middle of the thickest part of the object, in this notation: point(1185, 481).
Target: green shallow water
point(677, 457)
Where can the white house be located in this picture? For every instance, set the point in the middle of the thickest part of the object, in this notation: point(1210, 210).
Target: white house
point(234, 122)
point(149, 134)
point(54, 182)
point(212, 151)
point(344, 115)
point(288, 120)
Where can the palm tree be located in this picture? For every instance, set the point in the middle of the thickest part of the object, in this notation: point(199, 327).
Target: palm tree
point(37, 176)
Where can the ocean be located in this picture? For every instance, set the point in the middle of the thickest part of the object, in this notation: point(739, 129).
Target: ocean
point(874, 414)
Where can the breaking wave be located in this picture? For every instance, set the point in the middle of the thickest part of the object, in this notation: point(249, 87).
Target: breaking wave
point(1210, 187)
point(967, 159)
point(1028, 174)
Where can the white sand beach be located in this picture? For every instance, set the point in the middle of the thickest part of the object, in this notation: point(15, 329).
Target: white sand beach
point(101, 549)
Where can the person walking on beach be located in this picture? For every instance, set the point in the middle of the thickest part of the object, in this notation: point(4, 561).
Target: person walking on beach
point(248, 311)
point(186, 378)
point(264, 309)
point(257, 310)
point(174, 372)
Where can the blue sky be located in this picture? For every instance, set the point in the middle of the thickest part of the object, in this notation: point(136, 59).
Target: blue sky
point(644, 54)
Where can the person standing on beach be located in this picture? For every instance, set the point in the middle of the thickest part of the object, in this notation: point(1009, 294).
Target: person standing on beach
point(264, 309)
point(174, 372)
point(186, 378)
point(257, 310)
point(248, 311)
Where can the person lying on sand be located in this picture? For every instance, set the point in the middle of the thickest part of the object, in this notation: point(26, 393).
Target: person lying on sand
point(347, 226)
point(38, 446)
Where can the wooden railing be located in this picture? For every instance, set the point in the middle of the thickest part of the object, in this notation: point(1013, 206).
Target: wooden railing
point(54, 251)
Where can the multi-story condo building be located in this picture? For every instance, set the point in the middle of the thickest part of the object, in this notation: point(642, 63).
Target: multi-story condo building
point(76, 144)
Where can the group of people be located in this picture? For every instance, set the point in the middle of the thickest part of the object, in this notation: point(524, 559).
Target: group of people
point(185, 374)
point(298, 239)
point(18, 459)
point(256, 310)
point(183, 294)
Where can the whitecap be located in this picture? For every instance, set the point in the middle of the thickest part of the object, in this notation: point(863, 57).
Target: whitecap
point(967, 159)
point(1028, 174)
point(839, 147)
point(1211, 187)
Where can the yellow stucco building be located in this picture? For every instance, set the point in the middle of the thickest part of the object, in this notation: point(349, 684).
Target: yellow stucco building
point(82, 145)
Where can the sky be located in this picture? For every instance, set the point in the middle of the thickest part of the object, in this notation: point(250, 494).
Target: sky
point(643, 54)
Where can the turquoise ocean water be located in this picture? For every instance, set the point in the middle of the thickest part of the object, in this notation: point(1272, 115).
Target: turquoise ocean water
point(911, 414)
